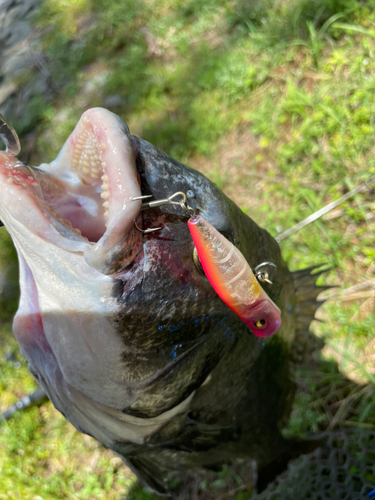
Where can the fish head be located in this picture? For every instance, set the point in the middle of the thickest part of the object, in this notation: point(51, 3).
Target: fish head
point(120, 325)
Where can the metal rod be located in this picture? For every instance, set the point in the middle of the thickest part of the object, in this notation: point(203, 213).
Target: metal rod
point(324, 210)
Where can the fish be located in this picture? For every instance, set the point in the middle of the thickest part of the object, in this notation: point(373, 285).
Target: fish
point(119, 323)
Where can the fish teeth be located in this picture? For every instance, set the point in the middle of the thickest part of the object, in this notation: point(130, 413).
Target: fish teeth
point(105, 190)
point(60, 218)
point(89, 163)
point(87, 157)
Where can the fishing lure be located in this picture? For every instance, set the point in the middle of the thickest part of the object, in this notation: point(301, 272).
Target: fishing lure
point(232, 278)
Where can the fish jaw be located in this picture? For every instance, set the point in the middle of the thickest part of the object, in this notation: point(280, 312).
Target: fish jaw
point(67, 297)
point(82, 201)
point(99, 153)
point(24, 211)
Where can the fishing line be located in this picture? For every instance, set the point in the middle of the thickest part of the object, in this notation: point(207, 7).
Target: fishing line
point(324, 210)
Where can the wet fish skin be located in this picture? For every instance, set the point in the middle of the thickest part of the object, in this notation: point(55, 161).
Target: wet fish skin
point(149, 360)
point(239, 409)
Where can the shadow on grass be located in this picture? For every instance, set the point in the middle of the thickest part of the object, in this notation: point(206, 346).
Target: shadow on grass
point(9, 287)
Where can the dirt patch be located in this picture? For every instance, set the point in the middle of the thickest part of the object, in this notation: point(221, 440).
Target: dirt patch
point(242, 167)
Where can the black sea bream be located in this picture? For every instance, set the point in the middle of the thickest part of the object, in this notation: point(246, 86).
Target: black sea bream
point(123, 329)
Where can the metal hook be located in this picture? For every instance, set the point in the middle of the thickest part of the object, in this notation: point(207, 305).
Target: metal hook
point(263, 275)
point(146, 231)
point(164, 201)
point(158, 203)
point(9, 137)
point(31, 170)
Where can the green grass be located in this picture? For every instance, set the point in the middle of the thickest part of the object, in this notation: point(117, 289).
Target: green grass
point(275, 102)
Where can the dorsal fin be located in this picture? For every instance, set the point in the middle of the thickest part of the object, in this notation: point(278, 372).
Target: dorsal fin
point(306, 293)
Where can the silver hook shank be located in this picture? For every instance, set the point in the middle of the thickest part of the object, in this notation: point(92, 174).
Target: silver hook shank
point(158, 203)
point(164, 201)
point(146, 231)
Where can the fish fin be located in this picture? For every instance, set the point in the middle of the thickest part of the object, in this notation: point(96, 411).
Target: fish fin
point(306, 293)
point(307, 276)
point(149, 474)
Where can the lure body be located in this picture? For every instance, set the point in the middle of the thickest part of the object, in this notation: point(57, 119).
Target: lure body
point(233, 280)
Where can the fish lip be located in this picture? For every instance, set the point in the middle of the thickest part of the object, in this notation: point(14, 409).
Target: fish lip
point(22, 203)
point(108, 186)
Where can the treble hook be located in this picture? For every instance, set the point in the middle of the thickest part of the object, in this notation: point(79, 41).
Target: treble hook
point(158, 203)
point(12, 144)
point(9, 137)
point(146, 231)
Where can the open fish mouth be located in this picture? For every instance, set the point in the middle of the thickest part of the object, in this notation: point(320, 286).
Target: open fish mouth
point(83, 200)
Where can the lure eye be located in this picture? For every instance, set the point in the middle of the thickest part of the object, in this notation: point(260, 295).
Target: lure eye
point(260, 323)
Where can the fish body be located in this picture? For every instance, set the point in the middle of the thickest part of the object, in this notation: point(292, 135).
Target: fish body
point(126, 335)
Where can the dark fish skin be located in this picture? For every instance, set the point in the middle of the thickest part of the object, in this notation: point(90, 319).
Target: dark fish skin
point(243, 386)
point(179, 343)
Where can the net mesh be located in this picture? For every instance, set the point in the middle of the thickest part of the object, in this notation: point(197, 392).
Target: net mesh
point(342, 469)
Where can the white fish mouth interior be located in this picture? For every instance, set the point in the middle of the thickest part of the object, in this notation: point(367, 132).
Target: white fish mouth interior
point(85, 207)
point(88, 188)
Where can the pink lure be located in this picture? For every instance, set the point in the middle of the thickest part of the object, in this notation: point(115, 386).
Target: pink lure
point(233, 280)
